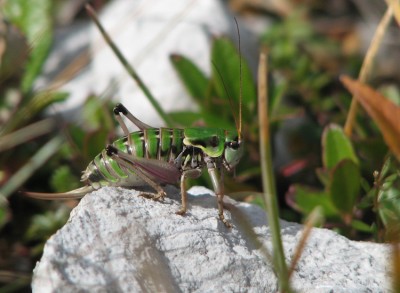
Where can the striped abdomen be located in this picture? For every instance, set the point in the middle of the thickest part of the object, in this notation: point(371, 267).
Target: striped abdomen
point(153, 143)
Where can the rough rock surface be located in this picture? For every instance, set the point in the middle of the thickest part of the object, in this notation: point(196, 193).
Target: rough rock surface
point(117, 241)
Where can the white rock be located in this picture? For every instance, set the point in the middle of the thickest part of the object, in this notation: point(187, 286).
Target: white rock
point(147, 33)
point(117, 241)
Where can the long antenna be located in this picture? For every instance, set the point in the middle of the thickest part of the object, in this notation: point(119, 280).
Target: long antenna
point(241, 85)
point(227, 93)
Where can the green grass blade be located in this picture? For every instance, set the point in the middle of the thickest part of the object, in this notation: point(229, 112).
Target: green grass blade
point(131, 71)
point(34, 19)
point(34, 106)
point(306, 199)
point(31, 166)
point(195, 82)
point(25, 134)
point(227, 62)
point(344, 186)
point(268, 179)
point(367, 66)
point(336, 146)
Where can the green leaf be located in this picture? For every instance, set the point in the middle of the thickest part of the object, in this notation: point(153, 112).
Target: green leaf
point(384, 112)
point(323, 175)
point(344, 185)
point(38, 103)
point(276, 108)
point(34, 19)
point(4, 211)
point(95, 142)
point(259, 200)
point(305, 199)
point(43, 225)
point(185, 118)
point(365, 185)
point(336, 147)
point(77, 136)
point(195, 82)
point(386, 166)
point(63, 180)
point(361, 226)
point(35, 162)
point(36, 59)
point(96, 114)
point(213, 120)
point(389, 181)
point(226, 63)
point(389, 207)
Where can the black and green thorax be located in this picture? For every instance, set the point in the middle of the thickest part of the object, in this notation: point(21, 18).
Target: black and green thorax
point(183, 148)
point(153, 143)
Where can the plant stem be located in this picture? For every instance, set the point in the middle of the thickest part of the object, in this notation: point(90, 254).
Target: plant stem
point(31, 166)
point(131, 71)
point(366, 67)
point(268, 179)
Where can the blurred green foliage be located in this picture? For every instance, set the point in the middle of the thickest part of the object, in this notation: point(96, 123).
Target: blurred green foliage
point(45, 224)
point(34, 20)
point(352, 200)
point(305, 71)
point(218, 97)
point(355, 182)
point(27, 142)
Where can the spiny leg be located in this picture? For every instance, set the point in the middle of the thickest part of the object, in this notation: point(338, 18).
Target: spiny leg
point(193, 173)
point(183, 208)
point(218, 189)
point(120, 109)
point(114, 153)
